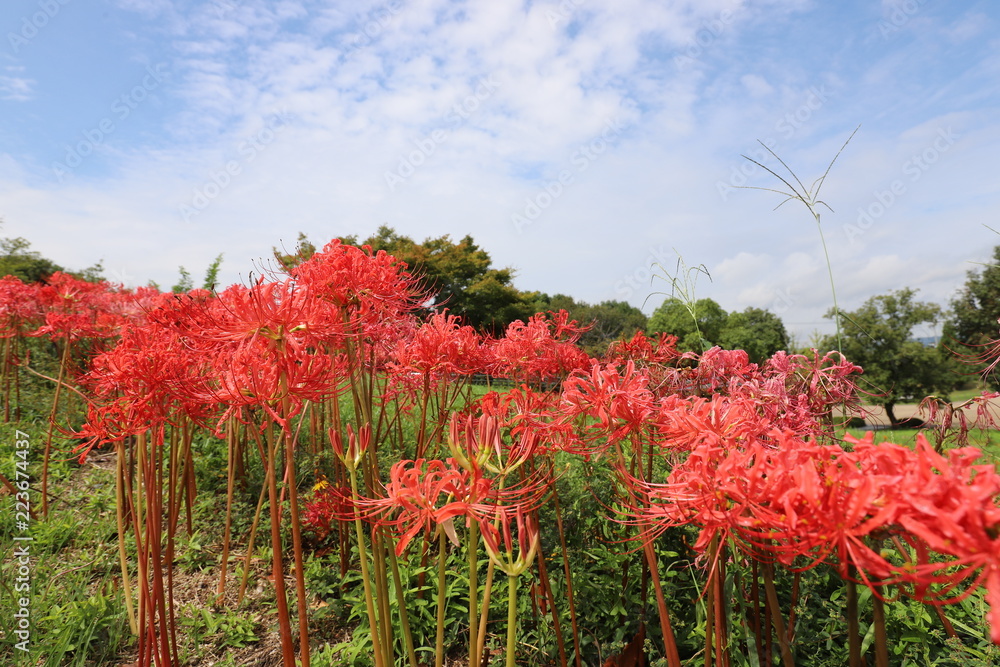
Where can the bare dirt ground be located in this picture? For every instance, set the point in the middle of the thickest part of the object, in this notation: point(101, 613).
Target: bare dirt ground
point(874, 415)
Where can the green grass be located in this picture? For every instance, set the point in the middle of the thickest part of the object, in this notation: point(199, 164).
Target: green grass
point(988, 441)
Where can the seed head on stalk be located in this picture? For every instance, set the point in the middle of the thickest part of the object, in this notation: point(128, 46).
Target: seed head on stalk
point(810, 199)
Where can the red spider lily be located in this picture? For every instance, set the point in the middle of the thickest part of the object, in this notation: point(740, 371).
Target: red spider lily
point(618, 401)
point(722, 368)
point(366, 287)
point(267, 345)
point(279, 315)
point(150, 377)
point(357, 445)
point(643, 350)
point(477, 443)
point(440, 348)
point(328, 504)
point(543, 349)
point(682, 424)
point(950, 506)
point(502, 554)
point(75, 308)
point(19, 307)
point(528, 413)
point(826, 381)
point(818, 502)
point(422, 494)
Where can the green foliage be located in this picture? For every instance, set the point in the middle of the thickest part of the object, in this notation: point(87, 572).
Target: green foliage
point(184, 283)
point(759, 332)
point(76, 606)
point(608, 321)
point(225, 629)
point(85, 630)
point(460, 277)
point(698, 325)
point(457, 276)
point(192, 556)
point(879, 337)
point(212, 273)
point(304, 249)
point(17, 259)
point(702, 324)
point(972, 321)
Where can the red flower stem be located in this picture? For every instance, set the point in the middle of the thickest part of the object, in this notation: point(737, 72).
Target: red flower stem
point(721, 634)
point(250, 545)
point(853, 628)
point(669, 641)
point(120, 520)
point(755, 601)
point(543, 578)
point(796, 581)
point(300, 583)
point(710, 601)
point(878, 619)
point(382, 596)
point(485, 604)
point(52, 423)
point(776, 618)
point(567, 572)
point(231, 429)
point(277, 567)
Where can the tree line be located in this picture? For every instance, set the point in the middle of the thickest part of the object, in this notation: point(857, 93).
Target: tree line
point(879, 336)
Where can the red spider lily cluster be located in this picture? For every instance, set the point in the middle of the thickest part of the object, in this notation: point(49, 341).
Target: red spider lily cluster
point(745, 452)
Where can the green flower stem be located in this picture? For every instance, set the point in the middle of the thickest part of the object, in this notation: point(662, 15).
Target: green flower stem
point(474, 593)
point(365, 575)
point(484, 618)
point(511, 618)
point(442, 559)
point(404, 618)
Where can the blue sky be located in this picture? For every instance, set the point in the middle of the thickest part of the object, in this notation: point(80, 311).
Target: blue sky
point(584, 144)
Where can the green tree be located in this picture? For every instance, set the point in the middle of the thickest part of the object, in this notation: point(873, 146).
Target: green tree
point(879, 337)
point(184, 283)
point(972, 322)
point(760, 332)
point(698, 325)
point(17, 259)
point(458, 276)
point(212, 273)
point(304, 249)
point(608, 321)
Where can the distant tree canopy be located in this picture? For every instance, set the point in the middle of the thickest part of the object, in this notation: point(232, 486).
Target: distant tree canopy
point(704, 323)
point(972, 323)
point(698, 325)
point(760, 332)
point(19, 260)
point(608, 321)
point(878, 336)
point(458, 276)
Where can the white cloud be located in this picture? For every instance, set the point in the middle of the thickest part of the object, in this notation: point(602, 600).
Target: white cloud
point(16, 88)
point(365, 89)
